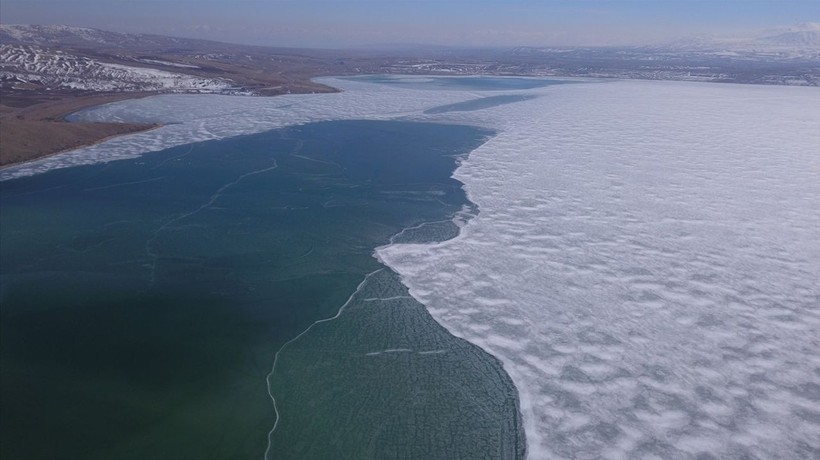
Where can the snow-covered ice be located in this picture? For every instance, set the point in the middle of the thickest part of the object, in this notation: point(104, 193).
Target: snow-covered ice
point(645, 261)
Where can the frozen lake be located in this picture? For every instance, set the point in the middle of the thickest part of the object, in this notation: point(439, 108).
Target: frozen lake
point(645, 261)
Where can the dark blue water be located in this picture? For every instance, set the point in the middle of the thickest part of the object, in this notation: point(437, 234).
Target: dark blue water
point(480, 103)
point(143, 302)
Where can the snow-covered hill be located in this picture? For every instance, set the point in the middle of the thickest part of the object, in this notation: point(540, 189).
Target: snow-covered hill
point(32, 66)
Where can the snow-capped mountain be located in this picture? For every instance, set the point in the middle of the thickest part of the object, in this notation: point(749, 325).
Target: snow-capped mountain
point(800, 36)
point(800, 41)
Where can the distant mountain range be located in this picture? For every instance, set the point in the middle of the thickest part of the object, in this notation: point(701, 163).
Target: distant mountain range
point(53, 59)
point(59, 35)
point(799, 38)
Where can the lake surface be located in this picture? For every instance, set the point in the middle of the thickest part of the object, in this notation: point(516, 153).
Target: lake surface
point(644, 265)
point(144, 301)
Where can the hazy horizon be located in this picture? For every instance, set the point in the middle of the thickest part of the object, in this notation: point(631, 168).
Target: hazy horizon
point(355, 23)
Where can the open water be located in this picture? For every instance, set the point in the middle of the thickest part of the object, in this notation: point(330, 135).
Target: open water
point(144, 301)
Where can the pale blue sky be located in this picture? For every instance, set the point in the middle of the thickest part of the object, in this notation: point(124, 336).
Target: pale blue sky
point(327, 23)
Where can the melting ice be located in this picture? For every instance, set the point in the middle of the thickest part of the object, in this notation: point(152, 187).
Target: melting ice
point(645, 262)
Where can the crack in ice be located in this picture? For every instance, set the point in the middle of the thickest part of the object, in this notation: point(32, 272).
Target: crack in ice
point(276, 356)
point(216, 195)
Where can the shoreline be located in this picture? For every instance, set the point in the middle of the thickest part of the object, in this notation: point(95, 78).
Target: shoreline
point(45, 122)
point(32, 129)
point(146, 128)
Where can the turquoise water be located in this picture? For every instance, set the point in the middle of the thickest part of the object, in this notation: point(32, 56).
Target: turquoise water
point(144, 300)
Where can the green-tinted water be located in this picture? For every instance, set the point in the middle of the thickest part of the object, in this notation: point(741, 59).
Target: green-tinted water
point(383, 380)
point(143, 302)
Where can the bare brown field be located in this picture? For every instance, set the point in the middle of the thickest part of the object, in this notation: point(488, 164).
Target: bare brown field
point(26, 140)
point(33, 126)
